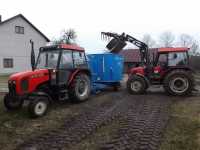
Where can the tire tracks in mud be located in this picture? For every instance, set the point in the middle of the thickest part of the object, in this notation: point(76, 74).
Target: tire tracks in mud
point(141, 128)
point(141, 123)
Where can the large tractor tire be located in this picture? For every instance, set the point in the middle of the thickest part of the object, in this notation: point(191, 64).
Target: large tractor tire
point(136, 85)
point(179, 82)
point(80, 89)
point(38, 106)
point(12, 103)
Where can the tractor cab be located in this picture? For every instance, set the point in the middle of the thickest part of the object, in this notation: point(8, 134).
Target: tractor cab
point(61, 61)
point(170, 58)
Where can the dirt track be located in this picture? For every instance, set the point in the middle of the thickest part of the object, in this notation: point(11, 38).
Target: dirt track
point(139, 123)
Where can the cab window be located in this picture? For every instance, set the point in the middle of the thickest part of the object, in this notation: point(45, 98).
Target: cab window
point(177, 59)
point(66, 60)
point(162, 60)
point(79, 58)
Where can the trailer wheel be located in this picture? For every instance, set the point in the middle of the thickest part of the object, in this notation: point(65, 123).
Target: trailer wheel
point(12, 103)
point(179, 83)
point(136, 85)
point(38, 106)
point(80, 89)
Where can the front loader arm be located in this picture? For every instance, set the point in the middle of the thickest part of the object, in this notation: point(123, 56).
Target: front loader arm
point(121, 39)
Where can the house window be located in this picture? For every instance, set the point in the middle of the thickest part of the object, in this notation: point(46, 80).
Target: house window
point(19, 30)
point(8, 63)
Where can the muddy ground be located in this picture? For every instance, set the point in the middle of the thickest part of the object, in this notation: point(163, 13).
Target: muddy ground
point(107, 121)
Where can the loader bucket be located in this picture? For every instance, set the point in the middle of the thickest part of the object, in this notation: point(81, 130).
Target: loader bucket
point(115, 45)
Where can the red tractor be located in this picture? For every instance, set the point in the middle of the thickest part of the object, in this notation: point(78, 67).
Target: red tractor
point(60, 72)
point(170, 67)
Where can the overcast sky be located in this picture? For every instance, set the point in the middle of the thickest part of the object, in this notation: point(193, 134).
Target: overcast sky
point(90, 17)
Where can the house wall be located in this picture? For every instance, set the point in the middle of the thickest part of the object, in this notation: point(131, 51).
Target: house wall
point(17, 46)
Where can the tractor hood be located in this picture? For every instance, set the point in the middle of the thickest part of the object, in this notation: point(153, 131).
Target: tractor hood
point(29, 74)
point(28, 81)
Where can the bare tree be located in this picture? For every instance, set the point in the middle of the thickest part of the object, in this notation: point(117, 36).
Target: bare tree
point(167, 39)
point(149, 40)
point(67, 37)
point(188, 41)
point(185, 40)
point(194, 48)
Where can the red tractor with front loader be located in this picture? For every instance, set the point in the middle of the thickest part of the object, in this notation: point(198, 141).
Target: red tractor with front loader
point(60, 72)
point(169, 68)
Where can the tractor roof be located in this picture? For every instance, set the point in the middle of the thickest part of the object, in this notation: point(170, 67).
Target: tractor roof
point(71, 47)
point(63, 46)
point(172, 49)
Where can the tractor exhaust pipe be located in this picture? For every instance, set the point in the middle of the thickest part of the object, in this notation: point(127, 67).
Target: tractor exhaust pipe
point(32, 55)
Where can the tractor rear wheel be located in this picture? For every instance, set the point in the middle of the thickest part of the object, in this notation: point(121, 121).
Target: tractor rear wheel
point(80, 89)
point(179, 82)
point(12, 103)
point(136, 84)
point(38, 106)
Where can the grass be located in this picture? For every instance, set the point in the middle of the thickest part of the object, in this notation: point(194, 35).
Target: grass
point(15, 127)
point(183, 131)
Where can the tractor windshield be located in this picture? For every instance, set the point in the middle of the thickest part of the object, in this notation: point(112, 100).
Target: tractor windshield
point(48, 59)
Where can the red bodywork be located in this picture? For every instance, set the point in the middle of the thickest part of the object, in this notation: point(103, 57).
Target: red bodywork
point(71, 47)
point(138, 71)
point(157, 69)
point(40, 76)
point(34, 78)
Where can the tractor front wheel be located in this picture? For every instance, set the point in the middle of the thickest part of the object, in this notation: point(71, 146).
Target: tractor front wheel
point(80, 89)
point(136, 85)
point(179, 83)
point(12, 103)
point(38, 106)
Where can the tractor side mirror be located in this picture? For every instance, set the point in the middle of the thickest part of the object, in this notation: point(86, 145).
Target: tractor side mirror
point(32, 55)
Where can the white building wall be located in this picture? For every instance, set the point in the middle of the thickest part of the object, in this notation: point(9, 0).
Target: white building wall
point(17, 46)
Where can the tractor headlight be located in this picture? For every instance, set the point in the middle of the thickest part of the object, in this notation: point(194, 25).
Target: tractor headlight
point(11, 82)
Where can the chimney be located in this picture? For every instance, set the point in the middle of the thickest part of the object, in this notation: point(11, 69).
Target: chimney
point(0, 18)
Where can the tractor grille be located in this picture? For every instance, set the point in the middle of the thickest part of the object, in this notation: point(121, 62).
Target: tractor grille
point(12, 88)
point(24, 85)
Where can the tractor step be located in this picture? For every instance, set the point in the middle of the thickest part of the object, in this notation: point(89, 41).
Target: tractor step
point(63, 95)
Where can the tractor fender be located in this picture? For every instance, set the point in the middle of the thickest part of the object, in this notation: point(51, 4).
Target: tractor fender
point(145, 78)
point(40, 93)
point(76, 72)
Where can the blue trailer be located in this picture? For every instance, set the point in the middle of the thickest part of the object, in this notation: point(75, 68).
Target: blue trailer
point(106, 69)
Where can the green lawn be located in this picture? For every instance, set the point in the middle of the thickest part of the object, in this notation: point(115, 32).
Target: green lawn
point(183, 131)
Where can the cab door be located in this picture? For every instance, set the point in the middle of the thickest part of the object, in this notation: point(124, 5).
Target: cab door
point(65, 67)
point(160, 66)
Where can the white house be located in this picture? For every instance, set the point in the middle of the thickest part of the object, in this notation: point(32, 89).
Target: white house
point(15, 48)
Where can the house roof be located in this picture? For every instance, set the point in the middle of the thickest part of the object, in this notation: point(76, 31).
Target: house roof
point(133, 55)
point(20, 15)
point(173, 49)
